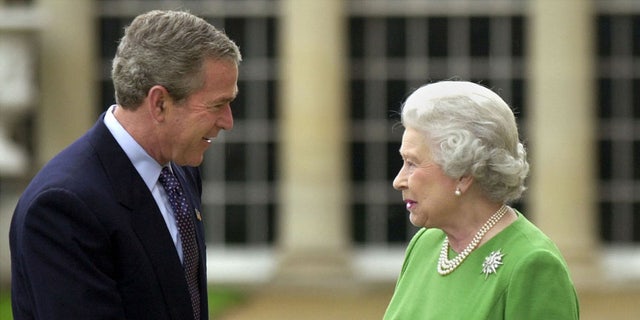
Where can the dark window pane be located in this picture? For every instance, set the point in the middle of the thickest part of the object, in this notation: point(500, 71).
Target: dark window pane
point(394, 162)
point(636, 167)
point(396, 40)
point(272, 25)
point(636, 223)
point(604, 163)
point(111, 30)
point(235, 30)
point(356, 37)
point(606, 222)
point(517, 99)
point(235, 224)
point(358, 223)
point(238, 105)
point(604, 36)
point(272, 221)
point(518, 37)
point(635, 95)
point(272, 97)
point(396, 93)
point(107, 95)
point(438, 30)
point(604, 99)
point(357, 97)
point(272, 159)
point(636, 35)
point(358, 162)
point(397, 225)
point(235, 162)
point(479, 36)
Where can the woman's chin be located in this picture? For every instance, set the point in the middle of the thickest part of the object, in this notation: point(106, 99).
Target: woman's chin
point(415, 221)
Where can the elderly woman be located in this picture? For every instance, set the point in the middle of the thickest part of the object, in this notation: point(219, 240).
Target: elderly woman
point(475, 257)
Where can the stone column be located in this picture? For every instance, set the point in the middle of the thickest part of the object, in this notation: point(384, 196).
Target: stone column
point(19, 30)
point(313, 235)
point(69, 81)
point(562, 126)
point(63, 45)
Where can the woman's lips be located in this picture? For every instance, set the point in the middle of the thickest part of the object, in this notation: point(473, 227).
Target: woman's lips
point(410, 204)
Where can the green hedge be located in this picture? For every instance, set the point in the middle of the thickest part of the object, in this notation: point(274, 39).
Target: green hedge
point(219, 301)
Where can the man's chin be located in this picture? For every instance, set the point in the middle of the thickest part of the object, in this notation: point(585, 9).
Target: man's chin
point(190, 162)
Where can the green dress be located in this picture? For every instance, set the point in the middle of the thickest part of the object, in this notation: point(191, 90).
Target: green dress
point(532, 282)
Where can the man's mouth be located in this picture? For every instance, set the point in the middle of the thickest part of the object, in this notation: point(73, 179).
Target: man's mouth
point(208, 140)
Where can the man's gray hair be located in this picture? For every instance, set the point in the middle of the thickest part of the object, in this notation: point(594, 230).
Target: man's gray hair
point(166, 48)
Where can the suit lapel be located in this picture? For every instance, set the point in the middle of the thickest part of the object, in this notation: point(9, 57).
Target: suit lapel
point(146, 220)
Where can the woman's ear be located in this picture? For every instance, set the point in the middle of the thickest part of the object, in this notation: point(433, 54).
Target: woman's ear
point(464, 183)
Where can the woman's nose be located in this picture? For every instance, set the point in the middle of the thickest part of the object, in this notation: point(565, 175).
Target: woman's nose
point(399, 182)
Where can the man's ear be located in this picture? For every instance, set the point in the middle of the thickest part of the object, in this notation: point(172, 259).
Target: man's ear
point(157, 99)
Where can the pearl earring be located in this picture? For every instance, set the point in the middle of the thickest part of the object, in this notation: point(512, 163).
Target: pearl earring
point(458, 192)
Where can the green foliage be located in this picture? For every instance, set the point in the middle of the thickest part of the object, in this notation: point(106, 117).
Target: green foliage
point(219, 301)
point(5, 305)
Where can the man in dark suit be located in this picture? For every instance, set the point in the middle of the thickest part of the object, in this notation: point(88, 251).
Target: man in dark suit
point(98, 233)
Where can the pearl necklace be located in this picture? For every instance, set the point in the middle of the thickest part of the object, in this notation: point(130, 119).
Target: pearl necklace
point(446, 266)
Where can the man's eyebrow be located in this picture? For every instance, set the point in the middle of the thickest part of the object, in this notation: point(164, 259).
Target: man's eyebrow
point(227, 98)
point(222, 100)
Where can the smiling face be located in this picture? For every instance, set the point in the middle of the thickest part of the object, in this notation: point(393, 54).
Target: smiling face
point(426, 190)
point(191, 125)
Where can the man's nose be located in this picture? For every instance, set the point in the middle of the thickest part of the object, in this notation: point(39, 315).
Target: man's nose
point(225, 121)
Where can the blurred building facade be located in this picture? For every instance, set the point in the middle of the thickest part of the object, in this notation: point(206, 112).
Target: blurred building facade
point(300, 191)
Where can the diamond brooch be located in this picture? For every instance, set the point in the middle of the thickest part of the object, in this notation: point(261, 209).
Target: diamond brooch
point(491, 263)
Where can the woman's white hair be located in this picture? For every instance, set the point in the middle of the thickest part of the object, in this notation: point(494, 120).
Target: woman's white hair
point(472, 132)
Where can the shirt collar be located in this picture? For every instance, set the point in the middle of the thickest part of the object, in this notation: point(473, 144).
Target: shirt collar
point(147, 167)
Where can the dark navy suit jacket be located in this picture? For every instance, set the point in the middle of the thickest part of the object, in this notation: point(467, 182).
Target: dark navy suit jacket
point(89, 242)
